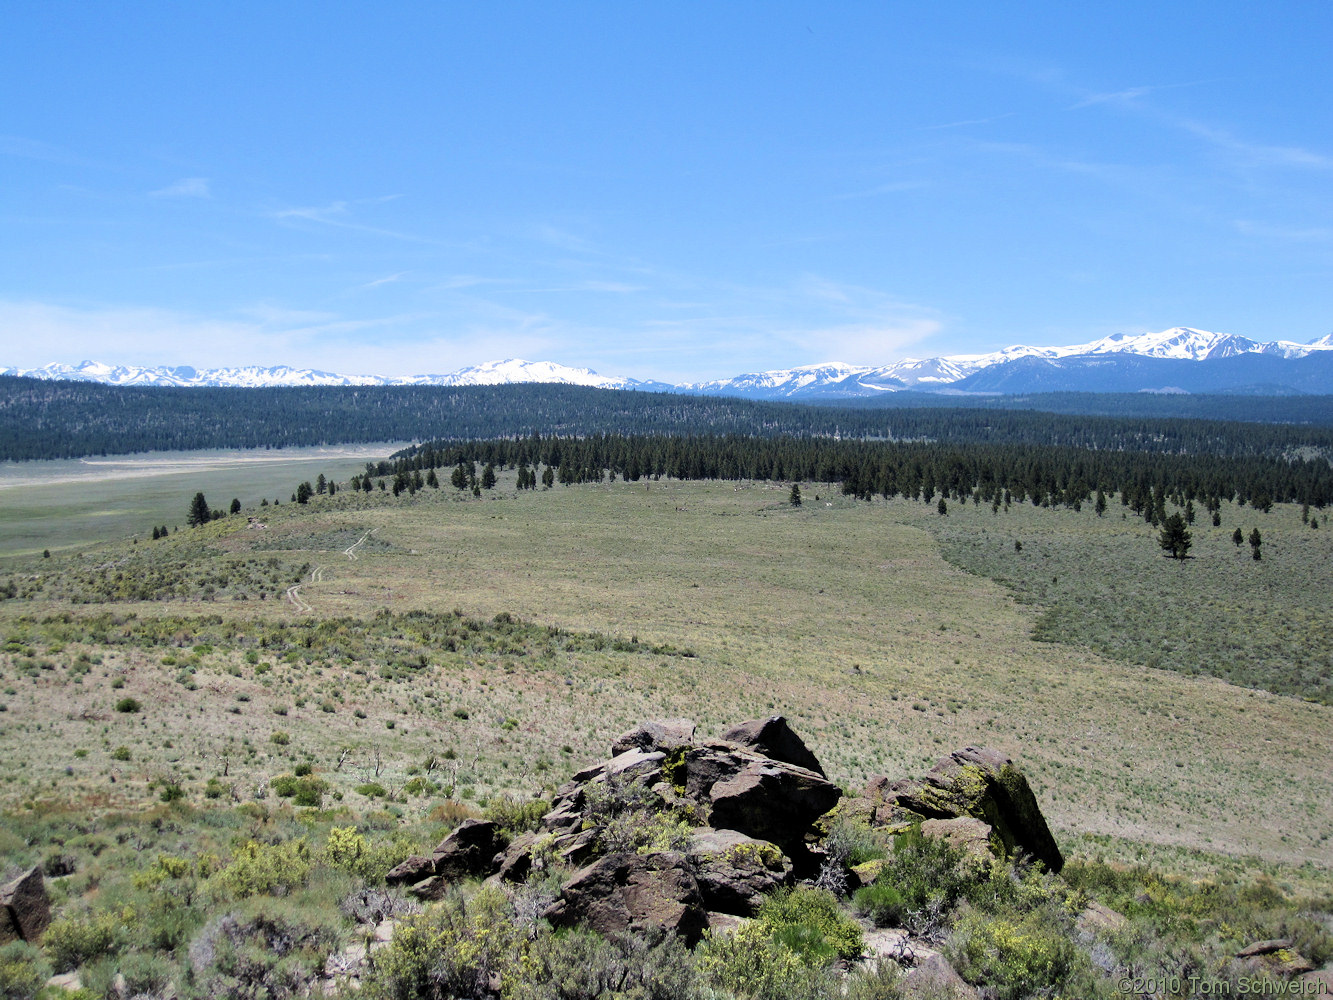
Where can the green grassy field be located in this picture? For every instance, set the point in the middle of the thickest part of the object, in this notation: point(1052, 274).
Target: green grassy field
point(844, 616)
point(65, 505)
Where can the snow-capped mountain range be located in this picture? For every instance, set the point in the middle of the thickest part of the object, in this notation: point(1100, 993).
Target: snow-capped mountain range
point(1179, 359)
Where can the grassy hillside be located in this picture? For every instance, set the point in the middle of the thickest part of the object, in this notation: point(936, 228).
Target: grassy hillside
point(842, 615)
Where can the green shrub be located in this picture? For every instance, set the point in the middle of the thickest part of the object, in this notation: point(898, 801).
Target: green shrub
point(883, 904)
point(73, 941)
point(372, 790)
point(582, 965)
point(1013, 958)
point(922, 876)
point(811, 924)
point(128, 705)
point(307, 791)
point(22, 971)
point(516, 816)
point(279, 738)
point(263, 868)
point(851, 842)
point(749, 964)
point(121, 753)
point(451, 951)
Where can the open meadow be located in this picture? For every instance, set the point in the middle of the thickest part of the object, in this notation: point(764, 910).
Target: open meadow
point(238, 729)
point(842, 615)
point(65, 504)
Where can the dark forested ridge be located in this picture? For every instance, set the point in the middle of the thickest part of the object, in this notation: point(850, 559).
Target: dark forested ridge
point(984, 472)
point(45, 419)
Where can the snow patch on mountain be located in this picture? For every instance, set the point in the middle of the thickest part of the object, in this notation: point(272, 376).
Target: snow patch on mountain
point(830, 379)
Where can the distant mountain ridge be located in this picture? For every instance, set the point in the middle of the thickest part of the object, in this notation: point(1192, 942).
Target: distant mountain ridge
point(1181, 359)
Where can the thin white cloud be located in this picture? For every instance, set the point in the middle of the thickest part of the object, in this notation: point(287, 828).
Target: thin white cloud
point(387, 280)
point(967, 122)
point(186, 187)
point(338, 215)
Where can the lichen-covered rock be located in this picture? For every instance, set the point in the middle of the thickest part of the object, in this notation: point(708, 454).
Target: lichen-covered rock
point(734, 871)
point(1275, 958)
point(967, 833)
point(773, 738)
point(662, 734)
point(25, 907)
point(635, 893)
point(981, 783)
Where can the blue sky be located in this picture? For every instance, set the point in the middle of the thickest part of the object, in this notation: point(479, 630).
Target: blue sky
point(675, 191)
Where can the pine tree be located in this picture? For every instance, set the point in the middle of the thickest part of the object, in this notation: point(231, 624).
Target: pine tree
point(548, 477)
point(459, 477)
point(303, 493)
point(199, 512)
point(321, 484)
point(1238, 537)
point(795, 497)
point(1174, 537)
point(235, 505)
point(1255, 541)
point(1217, 519)
point(943, 507)
point(488, 476)
point(432, 480)
point(1101, 502)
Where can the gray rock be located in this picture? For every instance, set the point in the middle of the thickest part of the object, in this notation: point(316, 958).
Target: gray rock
point(469, 851)
point(773, 738)
point(25, 907)
point(981, 783)
point(635, 893)
point(734, 871)
point(663, 735)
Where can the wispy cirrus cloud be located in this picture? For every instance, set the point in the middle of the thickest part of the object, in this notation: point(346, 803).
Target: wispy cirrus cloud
point(340, 215)
point(186, 187)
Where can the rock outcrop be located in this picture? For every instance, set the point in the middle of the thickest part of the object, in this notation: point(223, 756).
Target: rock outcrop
point(981, 783)
point(665, 734)
point(673, 832)
point(773, 738)
point(25, 909)
point(634, 892)
point(469, 851)
point(736, 872)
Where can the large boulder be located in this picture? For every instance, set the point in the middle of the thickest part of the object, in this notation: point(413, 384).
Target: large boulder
point(633, 893)
point(662, 734)
point(771, 800)
point(25, 909)
point(982, 783)
point(773, 738)
point(469, 851)
point(736, 872)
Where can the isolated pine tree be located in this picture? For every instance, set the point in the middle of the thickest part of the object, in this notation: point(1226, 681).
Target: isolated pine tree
point(459, 477)
point(1174, 537)
point(199, 512)
point(795, 498)
point(1256, 540)
point(235, 505)
point(1238, 536)
point(488, 476)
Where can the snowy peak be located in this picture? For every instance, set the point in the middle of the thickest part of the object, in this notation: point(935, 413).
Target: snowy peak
point(832, 379)
point(512, 370)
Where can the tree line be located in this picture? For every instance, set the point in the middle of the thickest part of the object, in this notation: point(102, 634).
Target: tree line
point(984, 472)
